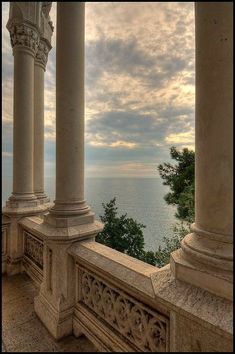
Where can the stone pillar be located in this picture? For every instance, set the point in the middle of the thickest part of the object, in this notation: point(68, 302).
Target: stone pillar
point(24, 28)
point(39, 69)
point(206, 258)
point(44, 47)
point(70, 203)
point(70, 219)
point(24, 40)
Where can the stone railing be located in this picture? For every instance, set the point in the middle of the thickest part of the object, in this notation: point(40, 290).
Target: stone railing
point(120, 303)
point(32, 260)
point(123, 304)
point(114, 301)
point(5, 236)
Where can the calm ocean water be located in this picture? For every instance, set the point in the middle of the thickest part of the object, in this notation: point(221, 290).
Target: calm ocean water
point(141, 198)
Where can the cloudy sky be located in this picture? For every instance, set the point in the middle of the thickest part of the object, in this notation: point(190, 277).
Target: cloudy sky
point(139, 87)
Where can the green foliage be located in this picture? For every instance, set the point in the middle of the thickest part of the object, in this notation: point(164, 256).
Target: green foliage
point(149, 257)
point(123, 234)
point(171, 244)
point(180, 179)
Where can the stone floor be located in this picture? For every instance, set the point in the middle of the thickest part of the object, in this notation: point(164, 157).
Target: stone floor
point(22, 331)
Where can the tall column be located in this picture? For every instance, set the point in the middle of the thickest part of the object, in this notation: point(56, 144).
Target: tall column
point(70, 219)
point(69, 202)
point(208, 251)
point(39, 69)
point(24, 40)
point(23, 25)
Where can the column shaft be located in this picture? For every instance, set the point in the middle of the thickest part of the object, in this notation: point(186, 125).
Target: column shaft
point(206, 258)
point(39, 132)
point(46, 30)
point(23, 125)
point(211, 242)
point(70, 110)
point(214, 79)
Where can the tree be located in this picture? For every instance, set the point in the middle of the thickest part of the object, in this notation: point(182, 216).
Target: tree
point(171, 244)
point(123, 234)
point(180, 178)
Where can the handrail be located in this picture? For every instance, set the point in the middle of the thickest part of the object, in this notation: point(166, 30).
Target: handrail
point(115, 302)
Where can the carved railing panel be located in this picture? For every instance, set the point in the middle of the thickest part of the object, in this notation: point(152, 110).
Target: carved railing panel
point(142, 327)
point(33, 257)
point(33, 249)
point(5, 228)
point(4, 241)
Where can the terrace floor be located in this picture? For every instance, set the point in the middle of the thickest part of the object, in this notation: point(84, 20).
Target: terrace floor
point(22, 331)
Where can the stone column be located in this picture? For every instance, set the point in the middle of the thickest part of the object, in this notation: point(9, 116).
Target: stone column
point(39, 69)
point(207, 252)
point(24, 40)
point(46, 30)
point(23, 25)
point(70, 219)
point(70, 203)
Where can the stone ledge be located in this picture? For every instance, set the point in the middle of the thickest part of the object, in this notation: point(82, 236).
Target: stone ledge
point(157, 287)
point(47, 232)
point(116, 265)
point(212, 312)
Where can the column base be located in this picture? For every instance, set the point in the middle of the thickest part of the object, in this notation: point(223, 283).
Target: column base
point(216, 281)
point(42, 198)
point(21, 201)
point(58, 323)
point(54, 233)
point(64, 222)
point(24, 208)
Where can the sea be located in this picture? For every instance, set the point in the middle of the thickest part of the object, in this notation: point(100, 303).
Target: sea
point(141, 198)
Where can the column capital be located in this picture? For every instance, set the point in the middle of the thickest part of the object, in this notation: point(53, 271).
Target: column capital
point(46, 25)
point(42, 53)
point(24, 36)
point(24, 24)
point(46, 31)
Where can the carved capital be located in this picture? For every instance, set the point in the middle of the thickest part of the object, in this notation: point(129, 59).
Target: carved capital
point(42, 53)
point(25, 36)
point(46, 27)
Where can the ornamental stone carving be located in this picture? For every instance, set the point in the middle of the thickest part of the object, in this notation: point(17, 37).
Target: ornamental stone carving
point(46, 30)
point(42, 53)
point(46, 8)
point(143, 327)
point(24, 35)
point(33, 249)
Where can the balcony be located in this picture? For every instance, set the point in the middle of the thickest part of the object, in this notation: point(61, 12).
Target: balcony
point(118, 302)
point(63, 291)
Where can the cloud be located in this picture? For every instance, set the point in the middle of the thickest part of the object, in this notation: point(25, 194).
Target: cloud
point(139, 89)
point(7, 154)
point(181, 138)
point(116, 144)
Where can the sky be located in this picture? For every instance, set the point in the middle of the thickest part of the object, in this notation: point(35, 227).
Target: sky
point(139, 91)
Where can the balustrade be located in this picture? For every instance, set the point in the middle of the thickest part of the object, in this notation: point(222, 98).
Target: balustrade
point(119, 302)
